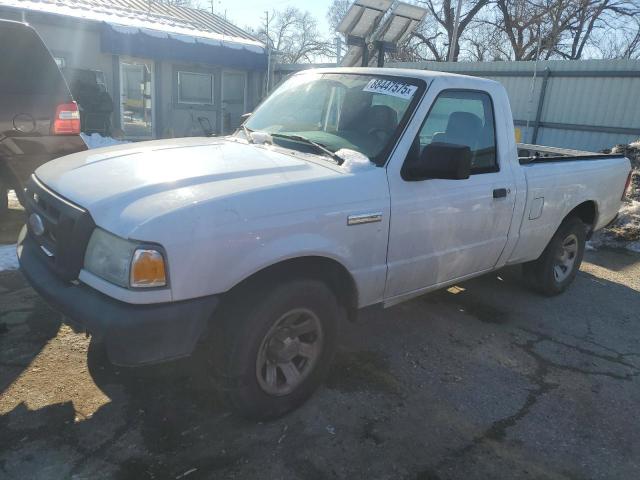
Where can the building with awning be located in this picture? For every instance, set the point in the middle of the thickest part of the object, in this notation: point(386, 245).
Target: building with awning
point(168, 70)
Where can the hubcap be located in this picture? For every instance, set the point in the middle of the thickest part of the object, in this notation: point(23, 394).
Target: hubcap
point(565, 258)
point(289, 352)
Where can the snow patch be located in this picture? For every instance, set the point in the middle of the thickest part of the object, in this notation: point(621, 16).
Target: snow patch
point(354, 161)
point(625, 231)
point(261, 138)
point(131, 21)
point(13, 200)
point(95, 140)
point(8, 257)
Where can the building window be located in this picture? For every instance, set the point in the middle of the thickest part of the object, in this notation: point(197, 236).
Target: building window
point(195, 88)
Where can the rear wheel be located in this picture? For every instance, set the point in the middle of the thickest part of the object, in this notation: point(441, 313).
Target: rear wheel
point(273, 347)
point(558, 265)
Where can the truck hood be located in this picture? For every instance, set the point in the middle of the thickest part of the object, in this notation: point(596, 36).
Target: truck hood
point(126, 185)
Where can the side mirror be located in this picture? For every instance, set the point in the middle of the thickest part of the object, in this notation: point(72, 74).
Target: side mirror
point(439, 160)
point(205, 125)
point(245, 116)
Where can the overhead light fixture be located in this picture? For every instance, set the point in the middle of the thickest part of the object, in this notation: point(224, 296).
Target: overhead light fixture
point(372, 25)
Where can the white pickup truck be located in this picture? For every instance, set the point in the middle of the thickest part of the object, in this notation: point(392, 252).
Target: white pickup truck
point(346, 188)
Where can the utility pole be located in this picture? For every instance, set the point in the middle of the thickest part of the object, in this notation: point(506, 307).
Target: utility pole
point(454, 40)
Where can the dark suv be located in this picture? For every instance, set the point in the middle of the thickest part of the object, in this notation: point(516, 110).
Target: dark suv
point(39, 120)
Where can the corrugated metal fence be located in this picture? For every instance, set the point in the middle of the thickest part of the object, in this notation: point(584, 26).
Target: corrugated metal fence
point(585, 104)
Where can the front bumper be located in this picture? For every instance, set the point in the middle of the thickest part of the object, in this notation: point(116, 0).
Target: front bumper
point(133, 334)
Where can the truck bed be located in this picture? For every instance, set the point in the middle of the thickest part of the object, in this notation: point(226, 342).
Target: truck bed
point(529, 153)
point(594, 182)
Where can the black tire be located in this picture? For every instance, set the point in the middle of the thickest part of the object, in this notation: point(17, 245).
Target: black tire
point(548, 274)
point(254, 316)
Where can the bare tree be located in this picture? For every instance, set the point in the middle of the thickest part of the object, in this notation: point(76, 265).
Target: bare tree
point(632, 41)
point(294, 37)
point(427, 42)
point(336, 12)
point(484, 43)
point(533, 27)
point(560, 28)
point(593, 15)
point(443, 12)
point(624, 44)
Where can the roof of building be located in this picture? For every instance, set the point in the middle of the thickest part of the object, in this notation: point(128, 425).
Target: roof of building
point(147, 15)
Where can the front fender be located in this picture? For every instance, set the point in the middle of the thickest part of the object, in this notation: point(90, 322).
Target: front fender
point(212, 265)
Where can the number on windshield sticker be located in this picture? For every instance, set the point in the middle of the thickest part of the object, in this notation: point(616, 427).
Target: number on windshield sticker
point(389, 87)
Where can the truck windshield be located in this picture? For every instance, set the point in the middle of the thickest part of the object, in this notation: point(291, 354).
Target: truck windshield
point(357, 111)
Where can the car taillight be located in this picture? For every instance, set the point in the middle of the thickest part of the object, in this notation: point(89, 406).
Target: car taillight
point(627, 186)
point(67, 119)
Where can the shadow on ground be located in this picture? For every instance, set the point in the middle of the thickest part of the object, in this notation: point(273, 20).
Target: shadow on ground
point(485, 380)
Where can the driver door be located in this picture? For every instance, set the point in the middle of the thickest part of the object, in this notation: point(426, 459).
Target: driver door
point(442, 230)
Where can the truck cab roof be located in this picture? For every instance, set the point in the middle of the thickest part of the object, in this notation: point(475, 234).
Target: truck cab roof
point(427, 75)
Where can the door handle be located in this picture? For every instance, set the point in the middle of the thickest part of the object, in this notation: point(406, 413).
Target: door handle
point(500, 193)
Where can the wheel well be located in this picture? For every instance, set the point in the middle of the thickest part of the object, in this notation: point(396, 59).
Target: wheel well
point(331, 272)
point(586, 212)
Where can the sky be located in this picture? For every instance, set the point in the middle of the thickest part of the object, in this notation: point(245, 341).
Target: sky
point(245, 13)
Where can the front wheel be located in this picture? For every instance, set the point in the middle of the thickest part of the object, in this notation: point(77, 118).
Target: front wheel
point(558, 265)
point(274, 346)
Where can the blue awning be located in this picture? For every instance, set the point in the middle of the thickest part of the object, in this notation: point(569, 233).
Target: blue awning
point(158, 45)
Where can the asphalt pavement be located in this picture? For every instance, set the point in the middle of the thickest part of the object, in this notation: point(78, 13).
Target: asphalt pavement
point(485, 380)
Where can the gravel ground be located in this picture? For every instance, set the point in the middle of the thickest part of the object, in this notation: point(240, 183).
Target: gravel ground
point(11, 223)
point(483, 381)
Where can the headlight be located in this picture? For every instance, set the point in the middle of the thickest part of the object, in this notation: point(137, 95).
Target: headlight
point(123, 262)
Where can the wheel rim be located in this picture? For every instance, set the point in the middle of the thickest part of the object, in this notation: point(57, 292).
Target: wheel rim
point(565, 259)
point(289, 352)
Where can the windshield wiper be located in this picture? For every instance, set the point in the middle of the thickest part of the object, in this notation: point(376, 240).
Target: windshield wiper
point(299, 138)
point(247, 134)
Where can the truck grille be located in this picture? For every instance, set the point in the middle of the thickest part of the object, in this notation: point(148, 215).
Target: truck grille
point(66, 232)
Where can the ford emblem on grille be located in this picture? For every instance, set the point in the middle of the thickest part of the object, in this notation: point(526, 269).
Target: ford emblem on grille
point(36, 224)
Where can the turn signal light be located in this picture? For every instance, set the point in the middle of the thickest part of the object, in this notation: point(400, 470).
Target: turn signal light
point(148, 269)
point(67, 120)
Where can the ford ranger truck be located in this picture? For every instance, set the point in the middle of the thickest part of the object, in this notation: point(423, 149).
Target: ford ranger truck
point(346, 188)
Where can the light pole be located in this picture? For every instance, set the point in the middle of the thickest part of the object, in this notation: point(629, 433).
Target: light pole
point(454, 39)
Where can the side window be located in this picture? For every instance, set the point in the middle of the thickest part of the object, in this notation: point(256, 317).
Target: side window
point(463, 118)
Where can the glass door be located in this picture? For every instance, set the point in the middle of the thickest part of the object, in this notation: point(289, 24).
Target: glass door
point(233, 100)
point(136, 98)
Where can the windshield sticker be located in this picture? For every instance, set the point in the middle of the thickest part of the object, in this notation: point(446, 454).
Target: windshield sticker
point(389, 87)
